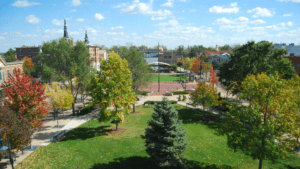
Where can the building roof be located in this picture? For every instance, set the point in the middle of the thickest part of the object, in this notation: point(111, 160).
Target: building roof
point(29, 47)
point(290, 48)
point(216, 52)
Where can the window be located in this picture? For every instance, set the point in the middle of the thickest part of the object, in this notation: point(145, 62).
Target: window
point(29, 56)
point(38, 50)
point(29, 50)
point(21, 57)
point(0, 76)
point(3, 75)
point(170, 56)
point(20, 50)
point(14, 73)
point(166, 56)
point(298, 66)
point(8, 74)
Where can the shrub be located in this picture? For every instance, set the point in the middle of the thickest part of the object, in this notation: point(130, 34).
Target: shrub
point(180, 92)
point(177, 71)
point(174, 67)
point(184, 98)
point(177, 106)
point(87, 109)
point(158, 102)
point(142, 92)
point(18, 128)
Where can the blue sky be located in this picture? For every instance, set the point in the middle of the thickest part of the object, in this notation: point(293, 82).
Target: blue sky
point(146, 22)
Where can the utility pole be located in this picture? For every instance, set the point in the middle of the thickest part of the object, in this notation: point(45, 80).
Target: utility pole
point(158, 70)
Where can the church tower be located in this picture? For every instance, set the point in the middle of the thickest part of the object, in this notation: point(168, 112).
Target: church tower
point(86, 39)
point(65, 31)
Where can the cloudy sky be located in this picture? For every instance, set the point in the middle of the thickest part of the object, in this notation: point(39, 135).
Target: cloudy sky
point(147, 22)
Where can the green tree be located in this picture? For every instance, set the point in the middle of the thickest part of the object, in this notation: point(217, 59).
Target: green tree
point(10, 54)
point(225, 47)
point(143, 47)
point(113, 86)
point(165, 139)
point(62, 62)
point(272, 115)
point(204, 95)
point(179, 64)
point(254, 58)
point(141, 73)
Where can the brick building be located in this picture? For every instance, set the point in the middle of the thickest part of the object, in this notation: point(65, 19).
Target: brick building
point(30, 51)
point(169, 57)
point(6, 68)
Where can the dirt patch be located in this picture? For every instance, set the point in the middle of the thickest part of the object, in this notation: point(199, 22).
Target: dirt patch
point(114, 131)
point(136, 112)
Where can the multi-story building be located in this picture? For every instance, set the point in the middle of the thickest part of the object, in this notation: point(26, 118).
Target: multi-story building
point(30, 51)
point(6, 70)
point(169, 57)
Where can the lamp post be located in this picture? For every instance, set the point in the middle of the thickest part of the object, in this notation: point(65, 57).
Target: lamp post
point(158, 70)
point(3, 147)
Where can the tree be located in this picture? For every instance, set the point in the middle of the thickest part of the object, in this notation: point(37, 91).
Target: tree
point(196, 65)
point(19, 131)
point(26, 98)
point(10, 58)
point(141, 73)
point(204, 95)
point(254, 58)
point(272, 115)
point(10, 53)
point(225, 47)
point(213, 77)
point(60, 98)
point(113, 86)
point(187, 63)
point(143, 47)
point(28, 66)
point(165, 139)
point(62, 62)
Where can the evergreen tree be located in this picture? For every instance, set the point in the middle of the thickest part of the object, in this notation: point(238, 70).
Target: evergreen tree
point(165, 142)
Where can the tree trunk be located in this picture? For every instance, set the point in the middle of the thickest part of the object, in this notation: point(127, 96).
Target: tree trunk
point(117, 122)
point(133, 107)
point(57, 118)
point(260, 163)
point(73, 107)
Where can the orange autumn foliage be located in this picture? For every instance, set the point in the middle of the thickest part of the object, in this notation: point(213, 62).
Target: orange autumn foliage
point(198, 62)
point(27, 65)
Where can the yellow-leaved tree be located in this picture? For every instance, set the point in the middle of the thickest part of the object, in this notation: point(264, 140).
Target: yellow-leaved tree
point(112, 86)
point(60, 98)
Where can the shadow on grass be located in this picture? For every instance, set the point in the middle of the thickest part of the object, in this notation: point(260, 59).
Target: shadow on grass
point(145, 163)
point(84, 133)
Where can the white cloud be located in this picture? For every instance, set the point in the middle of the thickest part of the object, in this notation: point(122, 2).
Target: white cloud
point(117, 28)
point(183, 0)
point(145, 9)
point(158, 18)
point(32, 19)
point(91, 30)
point(24, 3)
point(76, 2)
point(121, 5)
point(111, 33)
point(74, 10)
point(219, 9)
point(79, 20)
point(169, 3)
point(286, 24)
point(289, 14)
point(261, 12)
point(240, 20)
point(295, 1)
point(57, 22)
point(1, 37)
point(54, 31)
point(74, 33)
point(170, 23)
point(233, 4)
point(133, 34)
point(193, 10)
point(98, 16)
point(259, 21)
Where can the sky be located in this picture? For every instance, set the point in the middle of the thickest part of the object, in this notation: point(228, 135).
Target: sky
point(147, 22)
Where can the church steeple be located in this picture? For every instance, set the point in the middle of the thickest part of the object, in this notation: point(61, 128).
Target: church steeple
point(65, 31)
point(86, 39)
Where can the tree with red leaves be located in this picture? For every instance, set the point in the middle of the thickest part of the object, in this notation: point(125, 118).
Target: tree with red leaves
point(213, 79)
point(26, 99)
point(198, 62)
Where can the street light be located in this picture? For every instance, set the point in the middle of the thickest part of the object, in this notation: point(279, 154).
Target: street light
point(3, 147)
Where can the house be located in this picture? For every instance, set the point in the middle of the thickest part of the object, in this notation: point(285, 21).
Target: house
point(96, 55)
point(6, 68)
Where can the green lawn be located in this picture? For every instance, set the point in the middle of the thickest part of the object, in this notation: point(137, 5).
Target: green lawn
point(89, 146)
point(167, 78)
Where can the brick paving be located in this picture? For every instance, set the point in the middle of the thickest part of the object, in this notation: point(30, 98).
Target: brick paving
point(166, 86)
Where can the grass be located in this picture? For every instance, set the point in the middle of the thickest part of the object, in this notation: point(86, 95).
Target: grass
point(89, 146)
point(167, 78)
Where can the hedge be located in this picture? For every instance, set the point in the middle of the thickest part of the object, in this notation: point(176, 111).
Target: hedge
point(177, 71)
point(153, 102)
point(142, 93)
point(87, 109)
point(180, 92)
